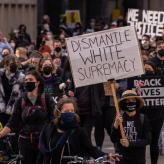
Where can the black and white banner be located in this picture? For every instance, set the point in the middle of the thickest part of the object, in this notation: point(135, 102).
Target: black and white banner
point(146, 22)
point(152, 90)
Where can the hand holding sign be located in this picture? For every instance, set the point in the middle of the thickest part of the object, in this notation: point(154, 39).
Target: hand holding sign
point(124, 142)
point(138, 86)
point(117, 122)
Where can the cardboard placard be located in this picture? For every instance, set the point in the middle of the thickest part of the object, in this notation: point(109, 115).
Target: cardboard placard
point(100, 56)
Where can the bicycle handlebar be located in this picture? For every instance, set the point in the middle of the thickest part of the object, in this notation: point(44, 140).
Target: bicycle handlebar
point(10, 135)
point(7, 137)
point(76, 159)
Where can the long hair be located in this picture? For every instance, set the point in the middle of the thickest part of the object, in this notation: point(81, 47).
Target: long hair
point(60, 105)
point(38, 78)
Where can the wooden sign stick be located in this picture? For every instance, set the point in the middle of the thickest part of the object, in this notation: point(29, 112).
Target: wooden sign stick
point(113, 88)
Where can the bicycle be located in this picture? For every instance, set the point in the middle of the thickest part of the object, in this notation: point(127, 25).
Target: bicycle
point(7, 155)
point(77, 159)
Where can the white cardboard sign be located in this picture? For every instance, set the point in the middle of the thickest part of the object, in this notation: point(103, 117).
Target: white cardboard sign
point(100, 56)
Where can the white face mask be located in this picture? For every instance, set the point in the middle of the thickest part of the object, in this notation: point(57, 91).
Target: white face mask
point(131, 106)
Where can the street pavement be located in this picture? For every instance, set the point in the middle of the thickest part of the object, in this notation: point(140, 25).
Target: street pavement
point(108, 147)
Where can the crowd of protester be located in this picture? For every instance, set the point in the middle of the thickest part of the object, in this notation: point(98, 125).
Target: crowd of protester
point(34, 76)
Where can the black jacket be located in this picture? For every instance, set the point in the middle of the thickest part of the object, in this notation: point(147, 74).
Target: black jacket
point(77, 143)
point(137, 131)
point(29, 118)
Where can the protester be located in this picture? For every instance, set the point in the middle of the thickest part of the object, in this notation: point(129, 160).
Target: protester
point(23, 39)
point(58, 53)
point(57, 65)
point(91, 27)
point(68, 79)
point(136, 128)
point(150, 68)
point(62, 39)
point(146, 44)
point(11, 80)
point(49, 40)
point(83, 96)
point(33, 61)
point(145, 55)
point(155, 115)
point(6, 51)
point(21, 54)
point(31, 111)
point(51, 79)
point(4, 44)
point(158, 58)
point(64, 137)
point(78, 29)
point(103, 110)
point(45, 50)
point(95, 108)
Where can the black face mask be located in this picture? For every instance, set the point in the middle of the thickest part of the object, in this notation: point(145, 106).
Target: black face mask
point(47, 70)
point(29, 86)
point(57, 49)
point(68, 120)
point(131, 106)
point(148, 72)
point(13, 67)
point(161, 53)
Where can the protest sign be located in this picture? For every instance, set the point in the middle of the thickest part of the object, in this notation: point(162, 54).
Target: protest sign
point(72, 16)
point(100, 56)
point(146, 22)
point(152, 90)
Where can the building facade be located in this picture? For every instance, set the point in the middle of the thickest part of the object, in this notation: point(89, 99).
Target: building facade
point(16, 12)
point(29, 12)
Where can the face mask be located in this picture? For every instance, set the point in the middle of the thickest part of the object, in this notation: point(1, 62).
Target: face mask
point(47, 70)
point(148, 72)
point(57, 49)
point(131, 106)
point(13, 68)
point(29, 86)
point(69, 120)
point(161, 53)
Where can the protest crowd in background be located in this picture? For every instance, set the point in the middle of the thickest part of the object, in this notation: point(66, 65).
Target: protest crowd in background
point(47, 58)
